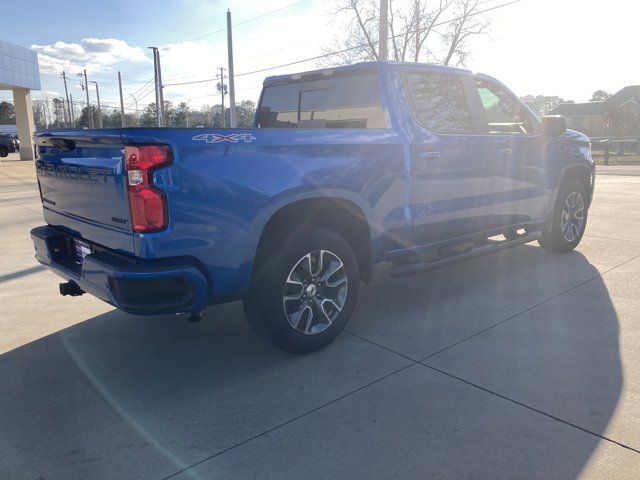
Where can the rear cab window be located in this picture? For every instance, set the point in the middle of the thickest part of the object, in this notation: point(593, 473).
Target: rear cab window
point(349, 101)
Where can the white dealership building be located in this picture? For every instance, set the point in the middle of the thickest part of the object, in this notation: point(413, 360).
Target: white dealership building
point(19, 73)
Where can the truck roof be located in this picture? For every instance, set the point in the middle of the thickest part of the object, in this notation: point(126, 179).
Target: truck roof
point(356, 67)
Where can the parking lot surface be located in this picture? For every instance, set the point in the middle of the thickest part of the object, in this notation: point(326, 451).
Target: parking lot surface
point(523, 364)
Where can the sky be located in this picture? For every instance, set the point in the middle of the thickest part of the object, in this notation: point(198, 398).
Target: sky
point(568, 48)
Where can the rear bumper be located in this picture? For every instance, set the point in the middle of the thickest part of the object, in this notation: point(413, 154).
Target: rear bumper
point(130, 284)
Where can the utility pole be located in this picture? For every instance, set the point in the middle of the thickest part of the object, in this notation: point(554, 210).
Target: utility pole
point(160, 88)
point(155, 76)
point(43, 111)
point(383, 34)
point(136, 102)
point(85, 87)
point(45, 108)
point(158, 79)
point(222, 88)
point(121, 101)
point(66, 93)
point(73, 114)
point(99, 107)
point(232, 88)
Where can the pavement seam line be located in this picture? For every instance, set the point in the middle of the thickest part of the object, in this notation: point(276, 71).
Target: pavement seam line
point(291, 420)
point(382, 346)
point(526, 310)
point(541, 412)
point(21, 206)
point(613, 239)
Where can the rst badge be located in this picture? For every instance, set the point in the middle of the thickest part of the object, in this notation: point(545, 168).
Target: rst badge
point(219, 137)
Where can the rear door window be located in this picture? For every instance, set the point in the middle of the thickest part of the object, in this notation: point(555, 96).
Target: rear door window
point(438, 101)
point(342, 102)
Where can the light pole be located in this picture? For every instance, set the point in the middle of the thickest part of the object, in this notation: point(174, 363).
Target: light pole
point(99, 108)
point(136, 102)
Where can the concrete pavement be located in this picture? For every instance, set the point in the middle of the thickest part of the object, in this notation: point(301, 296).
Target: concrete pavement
point(518, 365)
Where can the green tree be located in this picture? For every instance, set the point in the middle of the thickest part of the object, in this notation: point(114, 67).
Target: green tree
point(7, 113)
point(543, 104)
point(83, 121)
point(58, 113)
point(600, 95)
point(179, 115)
point(148, 116)
point(245, 111)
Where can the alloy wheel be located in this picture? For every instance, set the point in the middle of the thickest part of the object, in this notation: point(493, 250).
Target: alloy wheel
point(572, 217)
point(315, 292)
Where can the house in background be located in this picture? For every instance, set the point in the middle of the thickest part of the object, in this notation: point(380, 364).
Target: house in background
point(618, 116)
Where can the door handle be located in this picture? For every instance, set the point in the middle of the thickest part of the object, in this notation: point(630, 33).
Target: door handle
point(429, 155)
point(422, 165)
point(504, 152)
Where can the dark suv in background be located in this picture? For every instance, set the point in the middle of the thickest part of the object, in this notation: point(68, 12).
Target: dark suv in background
point(7, 144)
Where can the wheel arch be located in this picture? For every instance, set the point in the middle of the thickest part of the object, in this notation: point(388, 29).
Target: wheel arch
point(582, 173)
point(347, 216)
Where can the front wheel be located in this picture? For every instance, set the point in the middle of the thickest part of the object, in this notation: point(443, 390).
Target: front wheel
point(568, 220)
point(304, 289)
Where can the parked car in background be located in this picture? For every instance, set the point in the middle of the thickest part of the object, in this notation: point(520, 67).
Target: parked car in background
point(7, 144)
point(418, 165)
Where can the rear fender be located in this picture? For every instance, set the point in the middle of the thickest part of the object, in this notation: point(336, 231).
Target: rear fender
point(260, 221)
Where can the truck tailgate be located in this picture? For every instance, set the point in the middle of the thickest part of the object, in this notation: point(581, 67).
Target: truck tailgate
point(83, 187)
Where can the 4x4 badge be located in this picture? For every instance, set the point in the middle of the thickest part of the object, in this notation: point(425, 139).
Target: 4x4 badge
point(218, 137)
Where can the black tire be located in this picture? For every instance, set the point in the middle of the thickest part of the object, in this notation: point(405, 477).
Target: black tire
point(264, 304)
point(4, 151)
point(554, 239)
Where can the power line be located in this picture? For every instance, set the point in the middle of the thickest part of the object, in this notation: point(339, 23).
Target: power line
point(250, 20)
point(194, 81)
point(344, 50)
point(142, 87)
point(224, 29)
point(143, 94)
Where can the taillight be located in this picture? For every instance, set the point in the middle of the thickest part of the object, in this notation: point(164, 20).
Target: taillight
point(148, 204)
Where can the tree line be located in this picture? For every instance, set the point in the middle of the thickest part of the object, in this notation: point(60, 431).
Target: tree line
point(51, 114)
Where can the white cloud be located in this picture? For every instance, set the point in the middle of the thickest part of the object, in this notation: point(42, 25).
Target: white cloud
point(94, 54)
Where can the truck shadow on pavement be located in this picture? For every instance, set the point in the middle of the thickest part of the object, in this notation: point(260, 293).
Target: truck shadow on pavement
point(120, 396)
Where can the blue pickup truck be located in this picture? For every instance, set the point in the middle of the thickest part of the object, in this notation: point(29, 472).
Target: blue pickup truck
point(417, 165)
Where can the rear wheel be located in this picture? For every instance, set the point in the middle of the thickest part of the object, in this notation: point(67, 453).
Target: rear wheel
point(304, 290)
point(569, 218)
point(4, 151)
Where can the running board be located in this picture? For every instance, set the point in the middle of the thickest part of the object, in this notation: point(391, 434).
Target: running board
point(414, 268)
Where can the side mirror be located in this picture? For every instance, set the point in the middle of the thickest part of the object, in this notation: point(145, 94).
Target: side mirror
point(554, 125)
